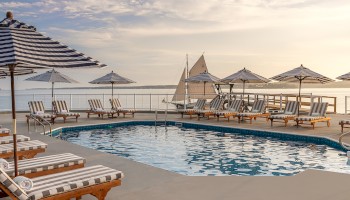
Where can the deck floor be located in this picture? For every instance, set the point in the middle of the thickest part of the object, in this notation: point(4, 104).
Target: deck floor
point(149, 183)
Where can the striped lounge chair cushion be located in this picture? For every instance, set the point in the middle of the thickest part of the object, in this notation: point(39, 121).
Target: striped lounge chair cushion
point(281, 116)
point(23, 146)
point(96, 106)
point(67, 181)
point(248, 114)
point(233, 108)
point(319, 109)
point(344, 121)
point(45, 163)
point(69, 114)
point(35, 106)
point(308, 118)
point(4, 130)
point(6, 181)
point(291, 107)
point(117, 106)
point(9, 139)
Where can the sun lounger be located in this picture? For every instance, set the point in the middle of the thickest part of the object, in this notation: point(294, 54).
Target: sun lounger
point(61, 110)
point(290, 112)
point(345, 123)
point(214, 106)
point(45, 165)
point(95, 180)
point(117, 106)
point(258, 110)
point(4, 131)
point(9, 139)
point(37, 109)
point(96, 108)
point(197, 107)
point(316, 114)
point(234, 107)
point(26, 149)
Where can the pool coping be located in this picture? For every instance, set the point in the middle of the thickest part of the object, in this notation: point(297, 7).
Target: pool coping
point(287, 136)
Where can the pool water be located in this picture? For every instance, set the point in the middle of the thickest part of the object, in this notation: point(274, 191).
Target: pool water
point(198, 152)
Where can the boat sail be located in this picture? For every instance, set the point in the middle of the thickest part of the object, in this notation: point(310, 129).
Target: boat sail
point(193, 90)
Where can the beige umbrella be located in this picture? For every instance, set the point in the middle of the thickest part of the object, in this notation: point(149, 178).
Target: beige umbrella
point(302, 75)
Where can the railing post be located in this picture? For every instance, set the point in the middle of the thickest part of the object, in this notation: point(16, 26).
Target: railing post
point(150, 102)
point(281, 102)
point(346, 104)
point(71, 101)
point(103, 100)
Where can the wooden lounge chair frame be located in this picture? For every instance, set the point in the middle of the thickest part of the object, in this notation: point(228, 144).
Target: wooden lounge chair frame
point(215, 105)
point(344, 125)
point(35, 106)
point(260, 115)
point(198, 106)
point(96, 103)
point(99, 191)
point(289, 108)
point(319, 108)
point(60, 105)
point(117, 106)
point(230, 106)
point(27, 154)
point(4, 134)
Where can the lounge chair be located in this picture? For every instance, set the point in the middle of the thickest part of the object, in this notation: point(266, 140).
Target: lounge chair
point(214, 106)
point(37, 109)
point(96, 108)
point(290, 112)
point(258, 110)
point(344, 124)
point(95, 180)
point(61, 110)
point(117, 106)
point(316, 114)
point(9, 139)
point(26, 149)
point(234, 107)
point(4, 131)
point(197, 107)
point(46, 165)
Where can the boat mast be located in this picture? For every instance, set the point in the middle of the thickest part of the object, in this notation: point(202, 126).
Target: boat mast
point(186, 84)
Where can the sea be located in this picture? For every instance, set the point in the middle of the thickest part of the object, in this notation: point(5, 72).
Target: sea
point(144, 99)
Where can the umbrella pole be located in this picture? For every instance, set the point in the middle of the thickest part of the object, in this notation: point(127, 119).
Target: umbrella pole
point(14, 131)
point(299, 96)
point(52, 97)
point(112, 91)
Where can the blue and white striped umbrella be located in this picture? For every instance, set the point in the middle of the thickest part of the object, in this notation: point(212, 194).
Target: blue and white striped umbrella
point(21, 46)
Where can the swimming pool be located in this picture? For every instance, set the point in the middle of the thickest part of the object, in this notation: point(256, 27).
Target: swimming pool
point(204, 152)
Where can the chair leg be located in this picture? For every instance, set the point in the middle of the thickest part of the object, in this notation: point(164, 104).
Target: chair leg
point(342, 128)
point(271, 122)
point(313, 125)
point(285, 122)
point(328, 123)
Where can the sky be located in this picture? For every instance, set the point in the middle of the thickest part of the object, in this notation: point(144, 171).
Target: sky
point(147, 40)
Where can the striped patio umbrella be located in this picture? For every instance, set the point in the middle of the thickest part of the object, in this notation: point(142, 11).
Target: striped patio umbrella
point(21, 46)
point(112, 78)
point(245, 76)
point(52, 77)
point(204, 78)
point(302, 75)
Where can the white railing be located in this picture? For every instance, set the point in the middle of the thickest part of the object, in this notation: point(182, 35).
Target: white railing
point(152, 102)
point(346, 104)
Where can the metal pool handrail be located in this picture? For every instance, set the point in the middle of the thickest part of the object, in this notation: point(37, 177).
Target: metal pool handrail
point(341, 142)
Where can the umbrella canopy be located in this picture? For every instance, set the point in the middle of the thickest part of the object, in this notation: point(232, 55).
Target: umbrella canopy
point(53, 77)
point(112, 78)
point(245, 76)
point(204, 78)
point(302, 75)
point(21, 46)
point(345, 77)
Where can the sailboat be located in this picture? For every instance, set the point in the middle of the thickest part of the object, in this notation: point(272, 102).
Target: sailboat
point(185, 93)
